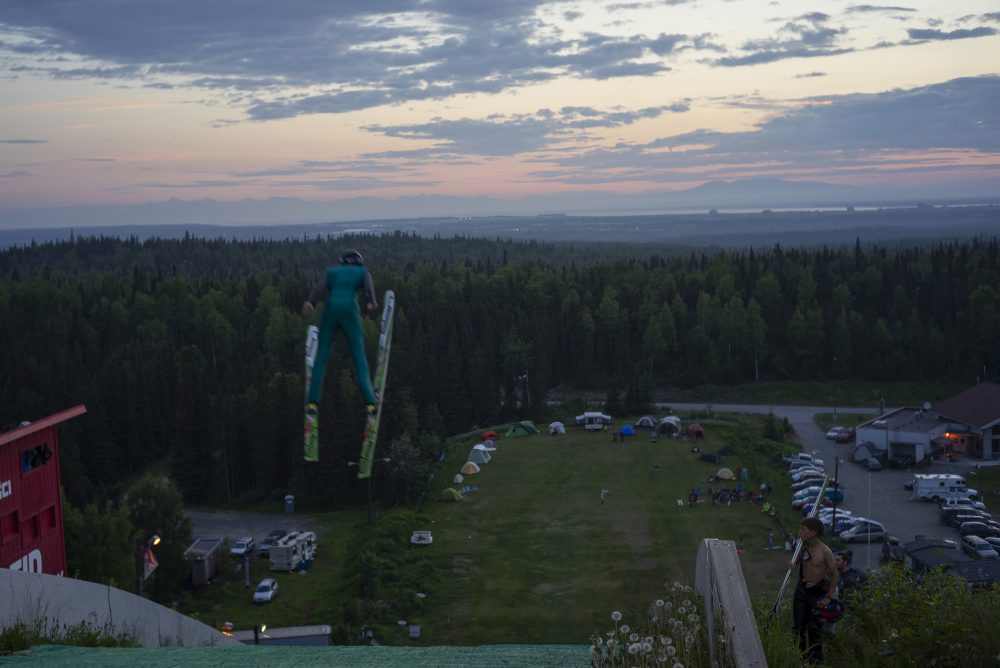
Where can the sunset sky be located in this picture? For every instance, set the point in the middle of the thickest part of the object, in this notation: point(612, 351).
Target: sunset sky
point(111, 102)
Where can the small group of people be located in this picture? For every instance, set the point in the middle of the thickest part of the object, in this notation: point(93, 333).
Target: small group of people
point(736, 494)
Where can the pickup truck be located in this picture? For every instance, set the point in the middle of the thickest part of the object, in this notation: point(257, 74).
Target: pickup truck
point(962, 502)
point(802, 458)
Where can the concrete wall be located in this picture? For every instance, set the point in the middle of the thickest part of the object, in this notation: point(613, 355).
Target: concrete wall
point(36, 597)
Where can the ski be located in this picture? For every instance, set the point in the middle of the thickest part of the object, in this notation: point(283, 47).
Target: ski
point(378, 384)
point(311, 432)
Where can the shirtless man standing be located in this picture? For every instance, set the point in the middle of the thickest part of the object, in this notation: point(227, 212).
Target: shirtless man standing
point(818, 579)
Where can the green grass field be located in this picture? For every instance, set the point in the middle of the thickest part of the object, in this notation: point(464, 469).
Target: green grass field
point(534, 557)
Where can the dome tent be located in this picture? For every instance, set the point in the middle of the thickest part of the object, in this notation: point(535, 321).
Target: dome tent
point(451, 494)
point(725, 474)
point(670, 425)
point(645, 422)
point(459, 478)
point(470, 468)
point(557, 428)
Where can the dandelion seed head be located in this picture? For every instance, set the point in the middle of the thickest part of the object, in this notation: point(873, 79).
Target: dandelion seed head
point(682, 610)
point(671, 650)
point(616, 615)
point(688, 640)
point(626, 628)
point(692, 617)
point(647, 647)
point(659, 603)
point(633, 648)
point(634, 637)
point(686, 603)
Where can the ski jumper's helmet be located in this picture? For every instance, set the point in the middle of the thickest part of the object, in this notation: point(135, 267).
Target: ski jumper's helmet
point(351, 256)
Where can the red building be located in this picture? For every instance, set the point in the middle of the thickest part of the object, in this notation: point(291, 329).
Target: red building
point(31, 522)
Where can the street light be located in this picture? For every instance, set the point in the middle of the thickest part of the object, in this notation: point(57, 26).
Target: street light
point(145, 562)
point(384, 460)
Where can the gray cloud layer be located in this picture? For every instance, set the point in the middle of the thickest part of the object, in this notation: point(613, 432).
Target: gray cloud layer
point(278, 60)
point(851, 134)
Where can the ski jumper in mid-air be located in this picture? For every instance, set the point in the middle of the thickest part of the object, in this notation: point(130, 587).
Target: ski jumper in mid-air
point(340, 284)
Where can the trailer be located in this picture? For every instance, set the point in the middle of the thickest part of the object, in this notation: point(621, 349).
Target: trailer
point(205, 555)
point(293, 552)
point(593, 420)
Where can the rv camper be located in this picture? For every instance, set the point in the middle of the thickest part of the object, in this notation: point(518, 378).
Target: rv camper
point(937, 486)
point(293, 552)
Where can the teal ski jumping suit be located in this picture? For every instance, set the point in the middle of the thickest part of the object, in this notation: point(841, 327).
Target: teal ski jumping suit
point(341, 283)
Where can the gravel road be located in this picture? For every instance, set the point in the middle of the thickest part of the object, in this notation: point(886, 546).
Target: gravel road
point(233, 524)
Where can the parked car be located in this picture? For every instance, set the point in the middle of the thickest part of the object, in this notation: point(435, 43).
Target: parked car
point(864, 530)
point(963, 518)
point(901, 462)
point(242, 546)
point(978, 548)
point(269, 540)
point(800, 474)
point(808, 481)
point(980, 529)
point(828, 512)
point(802, 457)
point(845, 436)
point(892, 550)
point(802, 463)
point(830, 493)
point(265, 591)
point(807, 508)
point(948, 513)
point(843, 524)
point(873, 464)
point(961, 501)
point(835, 432)
point(994, 541)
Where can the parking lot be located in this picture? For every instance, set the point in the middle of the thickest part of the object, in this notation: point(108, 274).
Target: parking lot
point(231, 524)
point(877, 495)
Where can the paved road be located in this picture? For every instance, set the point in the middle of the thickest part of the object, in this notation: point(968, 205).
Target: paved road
point(879, 495)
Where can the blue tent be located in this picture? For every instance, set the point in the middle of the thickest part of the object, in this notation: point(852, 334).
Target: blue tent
point(627, 430)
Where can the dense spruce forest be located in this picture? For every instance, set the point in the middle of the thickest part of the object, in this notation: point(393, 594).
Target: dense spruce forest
point(188, 353)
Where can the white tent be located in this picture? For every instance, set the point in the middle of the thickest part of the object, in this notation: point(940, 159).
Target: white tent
point(457, 479)
point(670, 425)
point(479, 455)
point(470, 468)
point(557, 428)
point(488, 446)
point(646, 422)
point(865, 451)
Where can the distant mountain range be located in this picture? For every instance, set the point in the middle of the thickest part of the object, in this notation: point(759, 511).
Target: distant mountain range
point(722, 195)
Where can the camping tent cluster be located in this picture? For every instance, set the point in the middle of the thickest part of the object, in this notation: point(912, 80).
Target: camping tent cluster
point(481, 454)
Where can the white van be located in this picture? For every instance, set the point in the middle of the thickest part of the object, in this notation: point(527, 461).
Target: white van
point(976, 547)
point(938, 486)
